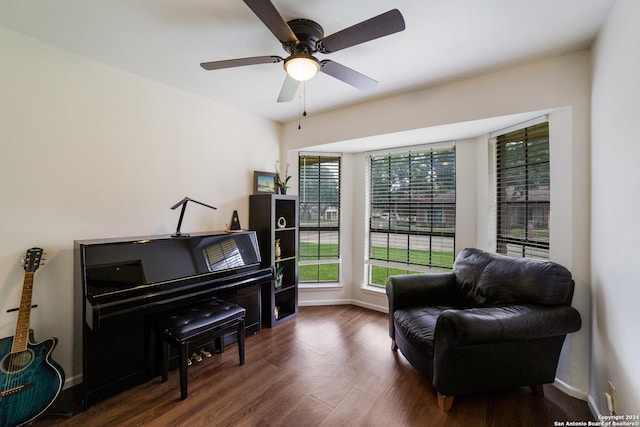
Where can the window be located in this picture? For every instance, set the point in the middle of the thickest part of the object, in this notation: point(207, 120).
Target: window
point(523, 192)
point(412, 212)
point(319, 195)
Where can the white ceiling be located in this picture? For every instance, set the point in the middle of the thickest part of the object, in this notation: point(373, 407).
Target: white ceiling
point(444, 40)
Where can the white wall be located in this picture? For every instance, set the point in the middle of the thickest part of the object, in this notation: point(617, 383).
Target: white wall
point(615, 234)
point(468, 191)
point(89, 151)
point(560, 84)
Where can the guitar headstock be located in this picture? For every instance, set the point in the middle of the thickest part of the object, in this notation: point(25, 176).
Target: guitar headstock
point(32, 259)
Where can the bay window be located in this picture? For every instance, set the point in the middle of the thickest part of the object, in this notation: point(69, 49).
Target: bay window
point(411, 212)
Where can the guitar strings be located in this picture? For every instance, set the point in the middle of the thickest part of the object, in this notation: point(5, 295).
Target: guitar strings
point(19, 356)
point(17, 361)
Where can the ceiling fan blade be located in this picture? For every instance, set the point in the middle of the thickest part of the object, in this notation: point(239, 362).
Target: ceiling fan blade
point(239, 62)
point(269, 15)
point(289, 89)
point(379, 26)
point(347, 75)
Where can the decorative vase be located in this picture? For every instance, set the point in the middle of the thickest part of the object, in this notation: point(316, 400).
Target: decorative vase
point(276, 250)
point(278, 283)
point(283, 190)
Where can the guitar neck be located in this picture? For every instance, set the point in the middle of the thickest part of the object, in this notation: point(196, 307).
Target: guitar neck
point(21, 337)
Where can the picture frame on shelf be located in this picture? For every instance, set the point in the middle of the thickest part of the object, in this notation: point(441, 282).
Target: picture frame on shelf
point(264, 183)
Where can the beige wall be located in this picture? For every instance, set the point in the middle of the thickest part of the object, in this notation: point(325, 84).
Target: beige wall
point(89, 151)
point(615, 207)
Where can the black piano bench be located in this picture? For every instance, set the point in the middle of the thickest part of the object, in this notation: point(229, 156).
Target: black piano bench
point(210, 320)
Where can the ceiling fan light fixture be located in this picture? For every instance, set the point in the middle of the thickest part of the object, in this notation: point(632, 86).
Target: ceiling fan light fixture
point(301, 66)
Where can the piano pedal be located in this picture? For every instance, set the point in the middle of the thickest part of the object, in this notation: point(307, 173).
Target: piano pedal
point(205, 353)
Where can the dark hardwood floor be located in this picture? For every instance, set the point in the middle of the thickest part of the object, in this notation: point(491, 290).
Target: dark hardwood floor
point(331, 366)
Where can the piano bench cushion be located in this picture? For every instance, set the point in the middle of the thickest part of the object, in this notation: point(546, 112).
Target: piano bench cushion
point(190, 322)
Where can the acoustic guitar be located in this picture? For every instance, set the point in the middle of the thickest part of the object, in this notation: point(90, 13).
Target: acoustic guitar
point(29, 379)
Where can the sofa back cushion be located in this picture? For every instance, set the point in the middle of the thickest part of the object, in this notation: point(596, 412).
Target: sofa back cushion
point(485, 279)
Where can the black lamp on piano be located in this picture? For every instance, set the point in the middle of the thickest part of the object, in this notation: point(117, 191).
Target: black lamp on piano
point(183, 203)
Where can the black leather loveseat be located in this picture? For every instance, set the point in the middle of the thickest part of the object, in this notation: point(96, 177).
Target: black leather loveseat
point(494, 322)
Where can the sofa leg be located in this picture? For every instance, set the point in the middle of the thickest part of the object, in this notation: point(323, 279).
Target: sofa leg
point(445, 402)
point(537, 389)
point(394, 347)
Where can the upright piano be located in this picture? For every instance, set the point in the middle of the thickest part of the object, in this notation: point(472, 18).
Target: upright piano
point(128, 282)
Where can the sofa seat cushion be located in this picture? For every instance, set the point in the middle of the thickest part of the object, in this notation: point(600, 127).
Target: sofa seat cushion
point(418, 325)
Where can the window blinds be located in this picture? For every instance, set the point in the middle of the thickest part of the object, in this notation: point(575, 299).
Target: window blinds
point(319, 195)
point(412, 207)
point(523, 192)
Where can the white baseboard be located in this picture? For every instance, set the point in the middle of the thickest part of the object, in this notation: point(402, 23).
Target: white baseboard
point(317, 302)
point(363, 304)
point(570, 390)
point(593, 407)
point(370, 306)
point(72, 381)
point(579, 394)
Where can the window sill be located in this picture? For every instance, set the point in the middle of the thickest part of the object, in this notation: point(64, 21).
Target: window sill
point(375, 290)
point(320, 286)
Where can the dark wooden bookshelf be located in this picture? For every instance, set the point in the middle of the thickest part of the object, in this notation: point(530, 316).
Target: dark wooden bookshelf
point(274, 217)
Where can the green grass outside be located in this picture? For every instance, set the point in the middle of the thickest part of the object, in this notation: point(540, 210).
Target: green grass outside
point(542, 234)
point(329, 272)
point(379, 274)
point(319, 272)
point(413, 256)
point(310, 250)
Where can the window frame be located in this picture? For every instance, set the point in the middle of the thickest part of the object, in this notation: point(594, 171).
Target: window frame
point(535, 141)
point(319, 260)
point(413, 210)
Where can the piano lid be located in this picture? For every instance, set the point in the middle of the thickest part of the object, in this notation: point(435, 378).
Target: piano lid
point(135, 266)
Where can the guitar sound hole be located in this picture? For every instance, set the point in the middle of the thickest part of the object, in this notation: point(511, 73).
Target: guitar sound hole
point(15, 362)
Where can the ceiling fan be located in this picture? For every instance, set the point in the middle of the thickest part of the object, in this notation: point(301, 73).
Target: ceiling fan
point(301, 38)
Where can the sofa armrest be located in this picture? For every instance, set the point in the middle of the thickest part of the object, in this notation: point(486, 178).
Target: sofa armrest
point(430, 289)
point(509, 323)
point(410, 290)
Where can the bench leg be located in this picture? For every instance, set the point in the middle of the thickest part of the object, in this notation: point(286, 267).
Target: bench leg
point(240, 337)
point(165, 361)
point(184, 374)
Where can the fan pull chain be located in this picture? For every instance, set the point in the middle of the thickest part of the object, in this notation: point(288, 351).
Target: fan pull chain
point(299, 109)
point(302, 103)
point(304, 97)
